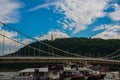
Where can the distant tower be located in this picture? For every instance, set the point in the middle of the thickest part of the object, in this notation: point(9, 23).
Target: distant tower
point(52, 37)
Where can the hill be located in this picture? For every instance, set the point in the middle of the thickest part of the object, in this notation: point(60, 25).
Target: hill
point(82, 46)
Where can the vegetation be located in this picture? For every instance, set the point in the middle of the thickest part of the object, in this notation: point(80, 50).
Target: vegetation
point(82, 46)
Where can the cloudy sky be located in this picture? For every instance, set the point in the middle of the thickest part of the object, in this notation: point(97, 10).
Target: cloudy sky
point(60, 18)
point(63, 18)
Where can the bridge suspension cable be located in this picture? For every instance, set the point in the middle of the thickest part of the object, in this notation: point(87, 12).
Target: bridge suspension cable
point(29, 46)
point(72, 54)
point(113, 53)
point(114, 57)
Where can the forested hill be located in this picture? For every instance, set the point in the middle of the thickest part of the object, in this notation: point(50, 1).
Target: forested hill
point(82, 46)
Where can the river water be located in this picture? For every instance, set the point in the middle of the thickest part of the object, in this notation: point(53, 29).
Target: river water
point(14, 76)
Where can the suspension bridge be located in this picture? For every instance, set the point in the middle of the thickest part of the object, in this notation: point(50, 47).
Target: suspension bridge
point(10, 50)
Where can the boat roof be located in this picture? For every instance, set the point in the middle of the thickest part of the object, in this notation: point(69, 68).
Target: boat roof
point(79, 69)
point(33, 70)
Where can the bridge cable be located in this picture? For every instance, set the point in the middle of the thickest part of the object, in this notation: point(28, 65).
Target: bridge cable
point(112, 53)
point(114, 56)
point(28, 45)
point(40, 41)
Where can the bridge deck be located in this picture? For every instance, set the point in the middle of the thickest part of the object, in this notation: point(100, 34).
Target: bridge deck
point(55, 60)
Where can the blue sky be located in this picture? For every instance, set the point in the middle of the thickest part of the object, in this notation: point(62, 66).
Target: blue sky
point(60, 18)
point(63, 18)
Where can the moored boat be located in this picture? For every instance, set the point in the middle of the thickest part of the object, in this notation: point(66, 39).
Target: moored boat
point(61, 72)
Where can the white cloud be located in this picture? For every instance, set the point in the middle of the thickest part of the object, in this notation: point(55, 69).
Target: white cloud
point(26, 41)
point(41, 6)
point(7, 33)
point(116, 14)
point(78, 14)
point(8, 46)
point(55, 34)
point(9, 11)
point(110, 32)
point(8, 14)
point(81, 13)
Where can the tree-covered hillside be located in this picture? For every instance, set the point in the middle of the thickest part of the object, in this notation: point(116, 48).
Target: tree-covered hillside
point(83, 46)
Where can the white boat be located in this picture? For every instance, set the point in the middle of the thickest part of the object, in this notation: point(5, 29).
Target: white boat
point(42, 73)
point(112, 76)
point(58, 72)
point(81, 73)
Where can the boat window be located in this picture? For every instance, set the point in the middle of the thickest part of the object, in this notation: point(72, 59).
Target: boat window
point(67, 73)
point(41, 73)
point(73, 73)
point(84, 72)
point(54, 73)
